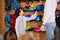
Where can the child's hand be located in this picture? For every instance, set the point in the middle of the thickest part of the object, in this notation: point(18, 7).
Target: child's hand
point(36, 12)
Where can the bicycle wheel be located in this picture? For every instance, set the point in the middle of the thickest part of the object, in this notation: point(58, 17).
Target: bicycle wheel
point(10, 35)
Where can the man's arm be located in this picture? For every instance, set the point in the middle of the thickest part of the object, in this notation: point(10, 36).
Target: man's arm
point(49, 10)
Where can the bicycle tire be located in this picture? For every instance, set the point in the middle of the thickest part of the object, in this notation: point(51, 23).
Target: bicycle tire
point(10, 32)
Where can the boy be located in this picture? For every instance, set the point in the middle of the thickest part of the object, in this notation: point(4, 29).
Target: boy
point(20, 25)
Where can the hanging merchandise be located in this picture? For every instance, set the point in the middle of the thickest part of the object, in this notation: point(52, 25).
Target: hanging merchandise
point(30, 0)
point(32, 7)
point(40, 7)
point(12, 22)
point(43, 18)
point(27, 7)
point(43, 0)
point(8, 5)
point(24, 0)
point(28, 16)
point(38, 18)
point(38, 29)
point(28, 27)
point(18, 1)
point(15, 4)
point(7, 20)
point(37, 0)
point(7, 24)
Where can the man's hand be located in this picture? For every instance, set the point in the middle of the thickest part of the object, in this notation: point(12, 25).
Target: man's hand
point(42, 28)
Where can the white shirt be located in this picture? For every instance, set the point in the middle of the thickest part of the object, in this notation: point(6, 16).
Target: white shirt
point(20, 25)
point(49, 11)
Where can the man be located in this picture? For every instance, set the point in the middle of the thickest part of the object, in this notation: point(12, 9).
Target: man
point(49, 18)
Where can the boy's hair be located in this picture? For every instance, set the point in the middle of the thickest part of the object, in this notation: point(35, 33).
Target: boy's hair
point(17, 11)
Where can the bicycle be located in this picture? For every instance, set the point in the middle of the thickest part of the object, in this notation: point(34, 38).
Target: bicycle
point(10, 34)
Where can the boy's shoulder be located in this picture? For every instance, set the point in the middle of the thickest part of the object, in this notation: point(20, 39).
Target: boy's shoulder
point(17, 17)
point(20, 17)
